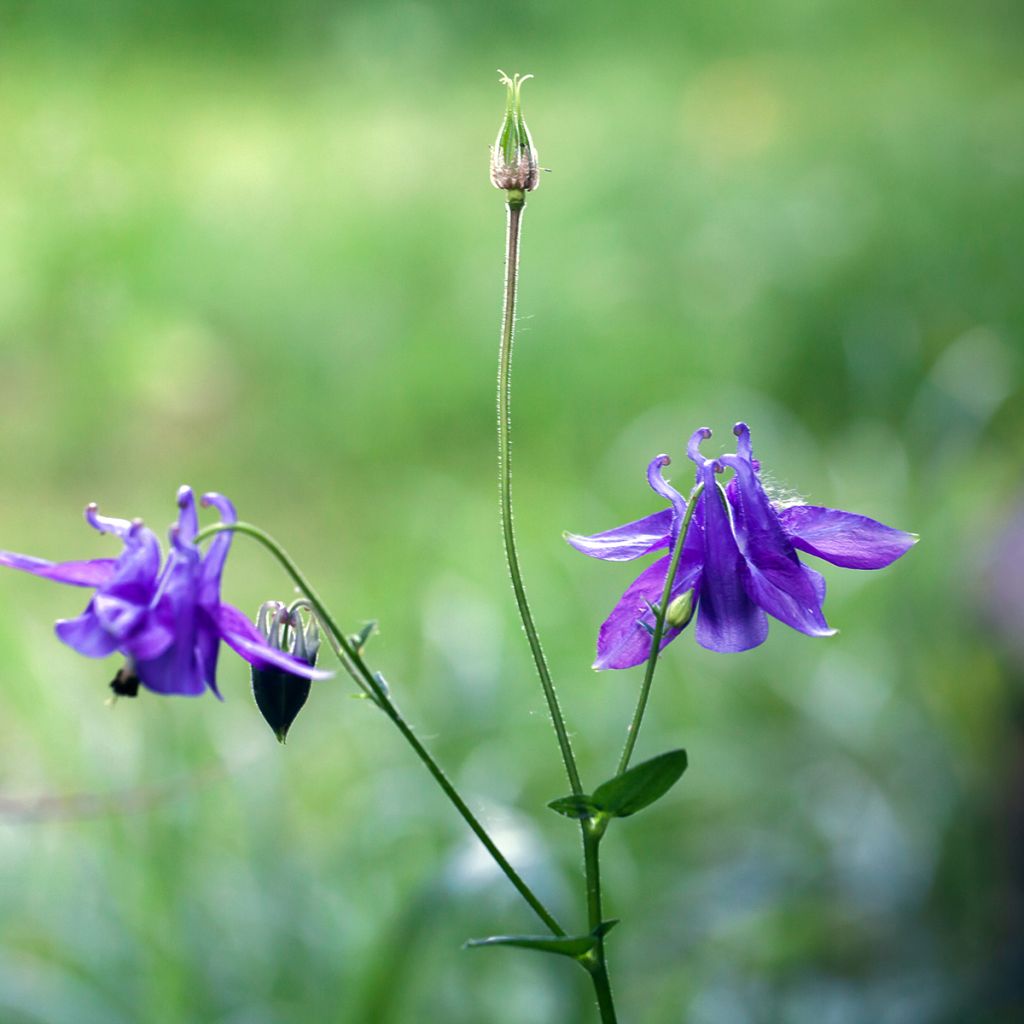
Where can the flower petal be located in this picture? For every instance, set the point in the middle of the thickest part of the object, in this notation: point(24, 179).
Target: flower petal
point(150, 640)
point(728, 620)
point(85, 635)
point(775, 579)
point(844, 538)
point(243, 637)
point(629, 541)
point(138, 566)
point(106, 524)
point(119, 617)
point(188, 520)
point(94, 573)
point(622, 641)
point(797, 604)
point(176, 671)
point(217, 553)
point(208, 649)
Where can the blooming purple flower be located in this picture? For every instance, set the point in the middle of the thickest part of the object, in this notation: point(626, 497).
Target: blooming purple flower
point(738, 561)
point(167, 621)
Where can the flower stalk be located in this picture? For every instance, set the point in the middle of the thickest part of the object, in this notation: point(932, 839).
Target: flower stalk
point(657, 634)
point(516, 205)
point(368, 681)
point(516, 177)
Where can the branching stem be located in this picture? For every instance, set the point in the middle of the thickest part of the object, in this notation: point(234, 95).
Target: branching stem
point(352, 659)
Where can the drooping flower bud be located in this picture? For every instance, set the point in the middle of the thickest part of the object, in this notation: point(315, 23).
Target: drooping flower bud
point(514, 165)
point(279, 694)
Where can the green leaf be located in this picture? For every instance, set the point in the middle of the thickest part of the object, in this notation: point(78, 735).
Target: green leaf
point(573, 806)
point(358, 640)
point(604, 928)
point(641, 785)
point(564, 945)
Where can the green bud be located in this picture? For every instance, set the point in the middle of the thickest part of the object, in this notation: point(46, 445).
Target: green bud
point(514, 166)
point(680, 610)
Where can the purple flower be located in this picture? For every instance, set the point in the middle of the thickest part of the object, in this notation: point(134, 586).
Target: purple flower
point(166, 620)
point(738, 561)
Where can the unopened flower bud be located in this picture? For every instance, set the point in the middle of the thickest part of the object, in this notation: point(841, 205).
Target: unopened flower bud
point(680, 610)
point(280, 694)
point(514, 166)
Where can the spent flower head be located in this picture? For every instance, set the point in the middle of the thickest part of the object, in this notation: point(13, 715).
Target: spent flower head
point(514, 165)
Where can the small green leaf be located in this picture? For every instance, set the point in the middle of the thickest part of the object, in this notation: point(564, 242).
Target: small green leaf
point(564, 945)
point(641, 785)
point(604, 928)
point(573, 806)
point(358, 640)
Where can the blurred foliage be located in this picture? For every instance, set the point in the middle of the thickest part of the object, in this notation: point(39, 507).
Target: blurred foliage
point(253, 247)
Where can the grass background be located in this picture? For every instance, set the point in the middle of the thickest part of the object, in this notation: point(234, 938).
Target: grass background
point(253, 247)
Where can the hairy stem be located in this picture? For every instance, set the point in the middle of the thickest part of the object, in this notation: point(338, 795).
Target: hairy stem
point(515, 214)
point(596, 964)
point(599, 965)
point(352, 659)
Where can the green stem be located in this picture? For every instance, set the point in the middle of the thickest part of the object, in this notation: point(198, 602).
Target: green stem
point(515, 213)
point(659, 631)
point(598, 964)
point(368, 681)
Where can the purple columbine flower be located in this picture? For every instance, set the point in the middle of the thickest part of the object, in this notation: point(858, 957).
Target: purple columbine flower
point(166, 620)
point(739, 559)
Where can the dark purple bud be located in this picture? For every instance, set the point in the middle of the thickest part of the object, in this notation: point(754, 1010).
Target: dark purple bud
point(280, 694)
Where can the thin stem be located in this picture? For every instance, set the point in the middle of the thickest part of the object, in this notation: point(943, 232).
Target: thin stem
point(368, 681)
point(598, 966)
point(659, 631)
point(596, 963)
point(515, 213)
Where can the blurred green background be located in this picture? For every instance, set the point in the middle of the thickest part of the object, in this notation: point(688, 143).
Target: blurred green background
point(253, 247)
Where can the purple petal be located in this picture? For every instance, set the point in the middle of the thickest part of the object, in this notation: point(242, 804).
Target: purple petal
point(217, 553)
point(94, 573)
point(106, 524)
point(797, 604)
point(119, 617)
point(188, 521)
point(622, 642)
point(817, 581)
point(243, 637)
point(662, 487)
point(208, 649)
point(629, 541)
point(728, 620)
point(137, 567)
point(150, 640)
point(176, 671)
point(844, 538)
point(776, 580)
point(85, 635)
